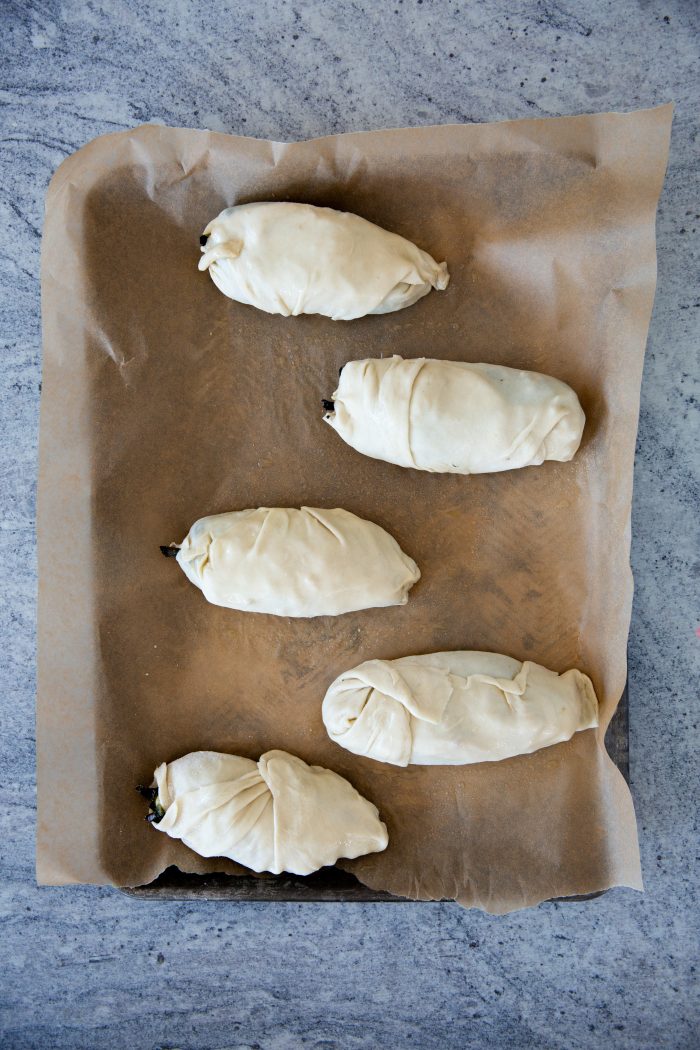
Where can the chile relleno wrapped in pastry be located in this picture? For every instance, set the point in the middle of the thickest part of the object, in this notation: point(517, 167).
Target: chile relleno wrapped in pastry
point(290, 562)
point(453, 417)
point(295, 259)
point(278, 814)
point(455, 708)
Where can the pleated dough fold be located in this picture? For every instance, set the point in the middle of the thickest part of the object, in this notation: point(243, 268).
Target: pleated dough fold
point(455, 417)
point(278, 814)
point(289, 562)
point(455, 708)
point(293, 259)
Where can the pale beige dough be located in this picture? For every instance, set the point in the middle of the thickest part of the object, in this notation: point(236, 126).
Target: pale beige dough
point(278, 814)
point(289, 562)
point(455, 708)
point(293, 259)
point(455, 417)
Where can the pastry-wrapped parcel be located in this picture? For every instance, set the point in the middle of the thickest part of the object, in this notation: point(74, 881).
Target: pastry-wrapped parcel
point(278, 814)
point(291, 562)
point(454, 417)
point(455, 708)
point(295, 259)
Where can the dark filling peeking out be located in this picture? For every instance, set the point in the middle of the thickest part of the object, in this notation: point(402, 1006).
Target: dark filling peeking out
point(155, 810)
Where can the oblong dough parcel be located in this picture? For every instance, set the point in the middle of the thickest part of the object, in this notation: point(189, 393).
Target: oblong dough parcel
point(454, 417)
point(289, 562)
point(278, 814)
point(455, 708)
point(295, 259)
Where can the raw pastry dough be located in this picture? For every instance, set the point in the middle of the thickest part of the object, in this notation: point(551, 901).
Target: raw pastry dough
point(455, 708)
point(454, 417)
point(298, 259)
point(289, 562)
point(278, 814)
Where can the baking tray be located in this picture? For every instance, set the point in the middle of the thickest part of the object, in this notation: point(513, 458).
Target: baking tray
point(332, 885)
point(95, 707)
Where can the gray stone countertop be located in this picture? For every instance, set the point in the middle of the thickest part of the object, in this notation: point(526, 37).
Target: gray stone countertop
point(90, 968)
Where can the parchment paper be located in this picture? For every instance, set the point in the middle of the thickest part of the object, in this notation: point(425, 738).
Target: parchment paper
point(163, 401)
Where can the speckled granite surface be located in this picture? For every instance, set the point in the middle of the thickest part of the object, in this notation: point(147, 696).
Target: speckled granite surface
point(90, 968)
